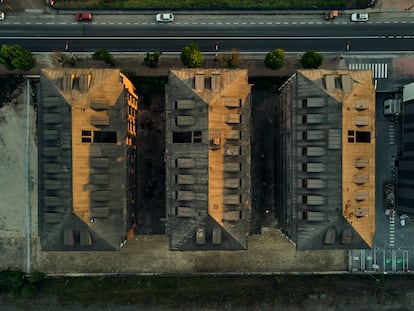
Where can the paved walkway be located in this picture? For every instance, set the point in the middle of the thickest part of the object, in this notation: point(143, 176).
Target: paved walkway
point(396, 5)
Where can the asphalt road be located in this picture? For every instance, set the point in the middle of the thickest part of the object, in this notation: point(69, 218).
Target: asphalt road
point(251, 35)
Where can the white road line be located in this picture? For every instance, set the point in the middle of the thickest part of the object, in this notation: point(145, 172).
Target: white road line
point(187, 37)
point(27, 187)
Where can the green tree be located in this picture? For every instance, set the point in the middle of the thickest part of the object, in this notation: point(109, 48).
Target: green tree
point(103, 54)
point(191, 56)
point(311, 59)
point(274, 59)
point(152, 59)
point(16, 57)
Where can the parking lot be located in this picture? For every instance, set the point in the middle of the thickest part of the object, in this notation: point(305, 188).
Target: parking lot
point(393, 244)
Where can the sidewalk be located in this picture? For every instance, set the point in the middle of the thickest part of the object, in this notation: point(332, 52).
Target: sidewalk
point(396, 5)
point(254, 64)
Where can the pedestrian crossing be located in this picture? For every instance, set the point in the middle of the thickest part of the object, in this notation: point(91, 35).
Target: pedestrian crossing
point(391, 134)
point(392, 229)
point(379, 70)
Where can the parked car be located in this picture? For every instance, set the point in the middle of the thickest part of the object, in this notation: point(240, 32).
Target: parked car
point(359, 17)
point(84, 17)
point(164, 18)
point(1, 16)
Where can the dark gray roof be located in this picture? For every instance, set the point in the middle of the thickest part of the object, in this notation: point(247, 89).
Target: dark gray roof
point(60, 227)
point(310, 163)
point(405, 201)
point(188, 141)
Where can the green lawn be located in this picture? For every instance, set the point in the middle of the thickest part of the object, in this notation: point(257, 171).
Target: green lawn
point(223, 292)
point(208, 4)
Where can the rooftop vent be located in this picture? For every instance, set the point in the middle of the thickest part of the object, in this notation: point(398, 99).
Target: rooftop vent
point(68, 237)
point(361, 104)
point(84, 82)
point(199, 82)
point(185, 179)
point(200, 236)
point(217, 236)
point(184, 163)
point(346, 236)
point(330, 82)
point(361, 162)
point(232, 183)
point(100, 212)
point(184, 104)
point(85, 238)
point(313, 216)
point(216, 82)
point(184, 120)
point(185, 195)
point(360, 179)
point(232, 167)
point(232, 102)
point(361, 211)
point(361, 120)
point(99, 104)
point(231, 199)
point(233, 118)
point(315, 102)
point(67, 81)
point(346, 83)
point(99, 120)
point(232, 216)
point(330, 236)
point(184, 211)
point(361, 195)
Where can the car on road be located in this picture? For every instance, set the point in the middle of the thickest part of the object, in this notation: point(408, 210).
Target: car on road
point(1, 16)
point(359, 17)
point(164, 18)
point(84, 17)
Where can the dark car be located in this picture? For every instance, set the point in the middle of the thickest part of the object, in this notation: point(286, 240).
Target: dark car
point(84, 17)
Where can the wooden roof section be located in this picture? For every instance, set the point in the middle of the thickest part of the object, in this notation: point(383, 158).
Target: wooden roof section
point(355, 91)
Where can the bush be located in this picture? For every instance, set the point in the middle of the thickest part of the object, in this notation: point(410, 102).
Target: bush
point(191, 56)
point(311, 59)
point(274, 59)
point(35, 277)
point(103, 54)
point(234, 59)
point(15, 284)
point(28, 290)
point(11, 281)
point(60, 59)
point(16, 57)
point(231, 60)
point(152, 59)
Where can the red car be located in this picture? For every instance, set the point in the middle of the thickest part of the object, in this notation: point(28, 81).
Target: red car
point(84, 17)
